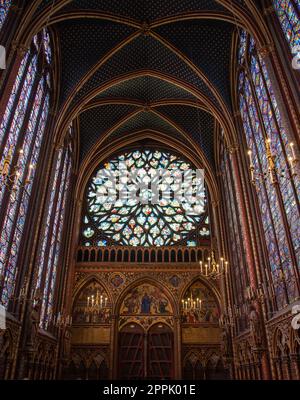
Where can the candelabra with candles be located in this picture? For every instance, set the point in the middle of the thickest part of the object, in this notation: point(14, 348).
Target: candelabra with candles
point(22, 297)
point(273, 171)
point(13, 180)
point(60, 320)
point(258, 293)
point(212, 269)
point(95, 305)
point(190, 304)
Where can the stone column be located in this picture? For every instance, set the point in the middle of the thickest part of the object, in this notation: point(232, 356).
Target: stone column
point(113, 348)
point(177, 349)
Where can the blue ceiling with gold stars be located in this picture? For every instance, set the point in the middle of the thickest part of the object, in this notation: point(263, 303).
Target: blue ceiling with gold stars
point(130, 66)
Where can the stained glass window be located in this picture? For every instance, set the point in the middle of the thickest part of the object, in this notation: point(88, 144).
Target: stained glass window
point(50, 246)
point(141, 221)
point(288, 12)
point(21, 134)
point(279, 201)
point(4, 8)
point(239, 268)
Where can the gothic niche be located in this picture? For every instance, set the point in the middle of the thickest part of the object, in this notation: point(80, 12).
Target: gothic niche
point(201, 333)
point(199, 305)
point(92, 305)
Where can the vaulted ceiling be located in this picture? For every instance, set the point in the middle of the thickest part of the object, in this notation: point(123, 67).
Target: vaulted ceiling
point(157, 65)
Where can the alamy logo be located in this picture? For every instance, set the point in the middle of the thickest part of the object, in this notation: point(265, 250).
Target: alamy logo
point(296, 319)
point(296, 58)
point(2, 57)
point(2, 318)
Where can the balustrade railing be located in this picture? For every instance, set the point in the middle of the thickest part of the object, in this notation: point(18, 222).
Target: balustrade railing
point(142, 254)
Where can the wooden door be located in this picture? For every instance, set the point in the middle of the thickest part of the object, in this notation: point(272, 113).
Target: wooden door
point(160, 353)
point(146, 355)
point(131, 352)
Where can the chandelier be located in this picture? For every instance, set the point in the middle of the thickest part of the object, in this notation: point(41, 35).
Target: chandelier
point(13, 180)
point(95, 303)
point(272, 172)
point(212, 269)
point(190, 304)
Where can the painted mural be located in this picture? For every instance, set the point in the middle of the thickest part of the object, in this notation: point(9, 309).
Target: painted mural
point(145, 299)
point(92, 305)
point(199, 305)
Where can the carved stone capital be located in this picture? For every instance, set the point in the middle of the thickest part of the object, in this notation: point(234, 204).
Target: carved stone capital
point(269, 10)
point(265, 51)
point(233, 148)
point(237, 113)
point(20, 48)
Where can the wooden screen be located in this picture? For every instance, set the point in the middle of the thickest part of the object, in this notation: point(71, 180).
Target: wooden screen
point(146, 355)
point(160, 352)
point(131, 352)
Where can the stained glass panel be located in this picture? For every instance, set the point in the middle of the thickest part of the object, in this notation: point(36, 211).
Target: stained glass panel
point(135, 222)
point(21, 134)
point(288, 14)
point(262, 120)
point(4, 8)
point(237, 256)
point(50, 248)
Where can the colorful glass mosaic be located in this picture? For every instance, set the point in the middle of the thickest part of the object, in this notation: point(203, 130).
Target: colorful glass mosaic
point(288, 12)
point(262, 120)
point(21, 136)
point(132, 222)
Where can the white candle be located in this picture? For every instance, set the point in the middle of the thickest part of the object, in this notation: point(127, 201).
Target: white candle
point(206, 269)
point(21, 152)
point(30, 171)
point(17, 178)
point(293, 151)
point(250, 158)
point(201, 268)
point(271, 175)
point(251, 165)
point(291, 162)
